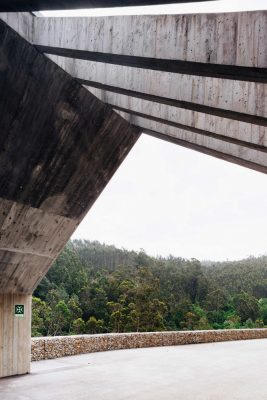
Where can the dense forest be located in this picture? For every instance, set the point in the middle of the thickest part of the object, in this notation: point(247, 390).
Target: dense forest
point(97, 288)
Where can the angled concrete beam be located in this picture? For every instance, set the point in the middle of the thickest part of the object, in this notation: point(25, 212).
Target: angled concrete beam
point(219, 112)
point(233, 72)
point(236, 96)
point(239, 139)
point(59, 148)
point(232, 150)
point(224, 138)
point(55, 152)
point(204, 150)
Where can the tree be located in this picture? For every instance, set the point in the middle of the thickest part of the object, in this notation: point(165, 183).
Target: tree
point(246, 306)
point(41, 314)
point(94, 325)
point(216, 300)
point(118, 316)
point(263, 310)
point(75, 312)
point(59, 322)
point(124, 291)
point(233, 322)
point(195, 319)
point(78, 326)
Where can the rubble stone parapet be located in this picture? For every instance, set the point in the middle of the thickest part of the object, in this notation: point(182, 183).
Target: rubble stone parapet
point(60, 346)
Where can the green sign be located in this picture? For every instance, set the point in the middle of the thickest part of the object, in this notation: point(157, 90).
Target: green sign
point(19, 310)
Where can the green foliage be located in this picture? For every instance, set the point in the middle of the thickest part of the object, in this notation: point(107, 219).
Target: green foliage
point(247, 306)
point(94, 325)
point(78, 326)
point(232, 322)
point(41, 314)
point(94, 288)
point(263, 310)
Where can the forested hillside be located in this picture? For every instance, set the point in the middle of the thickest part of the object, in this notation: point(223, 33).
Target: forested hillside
point(95, 288)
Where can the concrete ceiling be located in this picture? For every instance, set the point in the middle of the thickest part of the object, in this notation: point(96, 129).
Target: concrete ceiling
point(196, 80)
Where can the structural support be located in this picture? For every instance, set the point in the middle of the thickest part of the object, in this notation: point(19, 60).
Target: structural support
point(232, 72)
point(15, 334)
point(59, 147)
point(195, 79)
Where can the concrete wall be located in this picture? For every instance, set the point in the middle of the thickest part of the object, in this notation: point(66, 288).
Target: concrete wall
point(59, 346)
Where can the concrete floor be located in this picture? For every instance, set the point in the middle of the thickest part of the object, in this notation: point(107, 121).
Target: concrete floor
point(213, 371)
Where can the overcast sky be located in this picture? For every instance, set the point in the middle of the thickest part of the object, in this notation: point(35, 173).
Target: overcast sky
point(170, 200)
point(209, 6)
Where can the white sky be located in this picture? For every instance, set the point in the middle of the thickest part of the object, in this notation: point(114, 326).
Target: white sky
point(193, 8)
point(170, 200)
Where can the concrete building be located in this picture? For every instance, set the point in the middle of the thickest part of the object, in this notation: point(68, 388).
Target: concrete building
point(76, 93)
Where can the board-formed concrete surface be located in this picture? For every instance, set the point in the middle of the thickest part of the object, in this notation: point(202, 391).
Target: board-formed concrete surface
point(60, 146)
point(213, 371)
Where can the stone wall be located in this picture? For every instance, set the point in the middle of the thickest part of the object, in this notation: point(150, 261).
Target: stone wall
point(60, 346)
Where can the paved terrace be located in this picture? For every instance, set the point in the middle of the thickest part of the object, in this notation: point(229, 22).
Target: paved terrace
point(210, 371)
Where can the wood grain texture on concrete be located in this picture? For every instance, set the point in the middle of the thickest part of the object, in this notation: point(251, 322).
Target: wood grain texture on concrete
point(106, 51)
point(15, 331)
point(22, 23)
point(60, 146)
point(223, 38)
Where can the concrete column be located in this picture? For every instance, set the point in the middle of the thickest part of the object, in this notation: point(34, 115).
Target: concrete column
point(15, 334)
point(62, 146)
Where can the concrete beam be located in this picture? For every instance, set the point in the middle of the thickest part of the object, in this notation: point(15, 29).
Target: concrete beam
point(229, 95)
point(223, 149)
point(239, 142)
point(210, 70)
point(55, 156)
point(60, 146)
point(224, 38)
point(147, 74)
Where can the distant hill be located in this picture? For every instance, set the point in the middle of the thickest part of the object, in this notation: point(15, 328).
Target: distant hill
point(94, 287)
